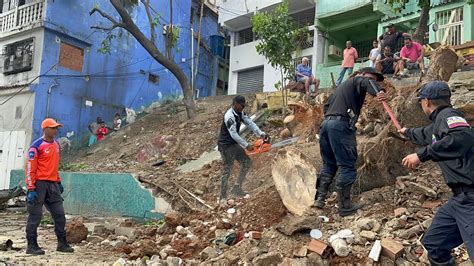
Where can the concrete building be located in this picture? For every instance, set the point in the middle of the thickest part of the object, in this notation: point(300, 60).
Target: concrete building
point(51, 67)
point(248, 71)
point(361, 21)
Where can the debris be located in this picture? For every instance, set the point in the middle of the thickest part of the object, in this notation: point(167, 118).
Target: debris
point(325, 219)
point(208, 253)
point(125, 231)
point(292, 224)
point(271, 258)
point(294, 175)
point(369, 235)
point(375, 251)
point(316, 233)
point(425, 190)
point(431, 204)
point(415, 230)
point(76, 231)
point(255, 235)
point(399, 211)
point(339, 245)
point(391, 248)
point(320, 248)
point(300, 251)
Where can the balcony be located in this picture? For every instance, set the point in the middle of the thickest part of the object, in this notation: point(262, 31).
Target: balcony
point(25, 16)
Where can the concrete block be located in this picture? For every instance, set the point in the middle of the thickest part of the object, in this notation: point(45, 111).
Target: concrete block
point(392, 248)
point(125, 231)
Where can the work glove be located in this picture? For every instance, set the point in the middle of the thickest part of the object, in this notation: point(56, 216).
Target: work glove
point(32, 196)
point(249, 147)
point(61, 188)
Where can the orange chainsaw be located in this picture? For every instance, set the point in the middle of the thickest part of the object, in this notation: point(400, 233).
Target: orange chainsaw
point(263, 145)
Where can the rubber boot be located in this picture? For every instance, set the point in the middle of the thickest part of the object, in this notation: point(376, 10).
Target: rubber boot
point(345, 205)
point(322, 189)
point(33, 248)
point(450, 262)
point(63, 246)
point(237, 191)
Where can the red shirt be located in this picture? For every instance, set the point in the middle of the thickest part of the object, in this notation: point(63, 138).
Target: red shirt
point(412, 53)
point(101, 132)
point(350, 56)
point(43, 162)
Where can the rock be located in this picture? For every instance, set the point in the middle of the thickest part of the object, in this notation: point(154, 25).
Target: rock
point(366, 224)
point(271, 258)
point(94, 239)
point(174, 261)
point(99, 229)
point(156, 260)
point(117, 244)
point(173, 218)
point(125, 231)
point(369, 235)
point(375, 251)
point(315, 259)
point(293, 262)
point(292, 224)
point(300, 251)
point(181, 230)
point(208, 253)
point(106, 242)
point(253, 253)
point(412, 186)
point(76, 231)
point(369, 128)
point(400, 211)
point(285, 134)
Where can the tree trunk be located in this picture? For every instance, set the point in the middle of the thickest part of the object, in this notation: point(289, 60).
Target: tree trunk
point(422, 28)
point(151, 48)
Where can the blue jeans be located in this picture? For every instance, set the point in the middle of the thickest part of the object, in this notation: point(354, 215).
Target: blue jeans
point(343, 72)
point(452, 225)
point(338, 147)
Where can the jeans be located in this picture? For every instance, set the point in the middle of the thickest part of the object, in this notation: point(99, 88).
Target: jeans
point(49, 195)
point(343, 72)
point(338, 149)
point(230, 154)
point(452, 225)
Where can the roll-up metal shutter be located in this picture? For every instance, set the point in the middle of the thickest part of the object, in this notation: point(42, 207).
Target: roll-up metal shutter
point(250, 81)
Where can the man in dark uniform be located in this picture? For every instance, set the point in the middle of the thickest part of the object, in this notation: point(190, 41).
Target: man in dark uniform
point(337, 141)
point(231, 144)
point(449, 140)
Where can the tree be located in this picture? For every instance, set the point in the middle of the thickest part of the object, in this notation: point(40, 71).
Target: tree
point(148, 43)
point(279, 38)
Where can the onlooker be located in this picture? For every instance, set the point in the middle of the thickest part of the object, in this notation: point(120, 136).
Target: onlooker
point(411, 56)
point(350, 56)
point(117, 122)
point(391, 37)
point(304, 74)
point(44, 188)
point(374, 53)
point(386, 62)
point(102, 131)
point(93, 130)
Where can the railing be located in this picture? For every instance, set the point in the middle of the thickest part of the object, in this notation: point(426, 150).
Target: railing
point(450, 26)
point(21, 16)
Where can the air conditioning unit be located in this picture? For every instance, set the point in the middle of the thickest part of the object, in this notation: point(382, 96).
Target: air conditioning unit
point(334, 51)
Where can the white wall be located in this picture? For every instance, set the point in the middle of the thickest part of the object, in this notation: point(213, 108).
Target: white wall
point(27, 76)
point(231, 7)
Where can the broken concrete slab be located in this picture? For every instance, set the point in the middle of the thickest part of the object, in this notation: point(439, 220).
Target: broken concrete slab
point(292, 224)
point(206, 158)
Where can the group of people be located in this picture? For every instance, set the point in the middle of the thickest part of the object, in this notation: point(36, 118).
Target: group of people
point(99, 130)
point(449, 140)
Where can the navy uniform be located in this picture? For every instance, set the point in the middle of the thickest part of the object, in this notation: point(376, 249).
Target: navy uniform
point(449, 140)
point(337, 141)
point(230, 144)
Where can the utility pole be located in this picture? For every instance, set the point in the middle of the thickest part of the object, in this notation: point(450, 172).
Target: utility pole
point(199, 46)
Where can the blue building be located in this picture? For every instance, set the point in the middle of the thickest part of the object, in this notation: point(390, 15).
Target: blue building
point(52, 67)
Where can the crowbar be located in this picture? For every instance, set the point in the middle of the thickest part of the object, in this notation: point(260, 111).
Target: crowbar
point(386, 107)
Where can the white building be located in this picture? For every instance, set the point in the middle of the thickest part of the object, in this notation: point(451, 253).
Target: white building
point(250, 72)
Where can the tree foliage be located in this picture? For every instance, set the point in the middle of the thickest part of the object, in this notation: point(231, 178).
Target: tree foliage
point(279, 37)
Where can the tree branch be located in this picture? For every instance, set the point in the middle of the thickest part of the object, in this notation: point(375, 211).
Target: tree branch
point(108, 28)
point(146, 3)
point(103, 14)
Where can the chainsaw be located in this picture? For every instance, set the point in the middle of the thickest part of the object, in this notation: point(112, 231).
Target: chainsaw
point(264, 145)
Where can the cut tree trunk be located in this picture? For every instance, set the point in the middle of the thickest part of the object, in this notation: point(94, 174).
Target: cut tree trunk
point(422, 28)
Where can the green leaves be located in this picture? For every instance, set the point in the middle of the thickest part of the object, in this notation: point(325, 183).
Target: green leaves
point(105, 44)
point(279, 37)
point(399, 5)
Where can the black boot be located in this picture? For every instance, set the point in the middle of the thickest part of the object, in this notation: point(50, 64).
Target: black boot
point(345, 205)
point(33, 248)
point(237, 190)
point(322, 189)
point(450, 262)
point(63, 246)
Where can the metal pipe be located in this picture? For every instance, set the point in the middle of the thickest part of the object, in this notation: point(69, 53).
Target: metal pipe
point(48, 101)
point(192, 57)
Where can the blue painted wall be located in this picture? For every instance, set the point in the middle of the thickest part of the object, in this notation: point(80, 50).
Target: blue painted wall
point(116, 81)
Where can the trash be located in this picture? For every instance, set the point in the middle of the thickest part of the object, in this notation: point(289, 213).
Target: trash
point(230, 238)
point(230, 212)
point(159, 163)
point(375, 251)
point(316, 233)
point(324, 218)
point(255, 235)
point(339, 244)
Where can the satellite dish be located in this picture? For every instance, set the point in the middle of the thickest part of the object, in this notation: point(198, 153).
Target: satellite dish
point(435, 27)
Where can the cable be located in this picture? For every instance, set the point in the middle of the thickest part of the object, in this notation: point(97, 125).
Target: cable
point(141, 86)
point(26, 85)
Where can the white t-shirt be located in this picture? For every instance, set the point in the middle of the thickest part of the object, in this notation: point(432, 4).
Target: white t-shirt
point(118, 123)
point(374, 53)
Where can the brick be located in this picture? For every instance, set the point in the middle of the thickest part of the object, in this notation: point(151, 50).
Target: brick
point(431, 204)
point(255, 235)
point(392, 248)
point(320, 248)
point(399, 211)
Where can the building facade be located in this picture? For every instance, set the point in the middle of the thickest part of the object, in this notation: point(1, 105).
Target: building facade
point(52, 65)
point(250, 72)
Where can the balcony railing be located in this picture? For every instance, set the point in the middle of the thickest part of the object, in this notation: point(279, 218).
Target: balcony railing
point(21, 16)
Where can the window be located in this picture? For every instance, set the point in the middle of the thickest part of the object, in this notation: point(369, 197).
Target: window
point(71, 57)
point(244, 36)
point(363, 48)
point(305, 17)
point(450, 26)
point(18, 57)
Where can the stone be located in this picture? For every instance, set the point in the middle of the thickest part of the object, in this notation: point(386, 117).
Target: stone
point(369, 235)
point(173, 218)
point(271, 258)
point(300, 251)
point(431, 204)
point(181, 230)
point(174, 261)
point(76, 231)
point(117, 244)
point(292, 224)
point(423, 189)
point(208, 253)
point(94, 239)
point(375, 251)
point(366, 224)
point(125, 231)
point(106, 242)
point(253, 253)
point(99, 229)
point(293, 262)
point(399, 211)
point(316, 259)
point(155, 260)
